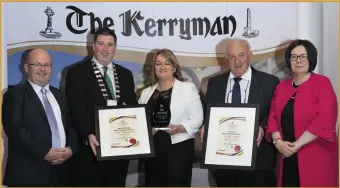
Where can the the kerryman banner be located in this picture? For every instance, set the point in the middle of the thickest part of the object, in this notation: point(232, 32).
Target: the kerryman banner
point(196, 32)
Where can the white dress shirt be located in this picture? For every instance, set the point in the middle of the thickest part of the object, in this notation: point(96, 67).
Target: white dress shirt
point(244, 85)
point(55, 107)
point(109, 72)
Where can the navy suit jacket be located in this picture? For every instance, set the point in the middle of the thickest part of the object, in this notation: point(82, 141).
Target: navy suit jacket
point(29, 137)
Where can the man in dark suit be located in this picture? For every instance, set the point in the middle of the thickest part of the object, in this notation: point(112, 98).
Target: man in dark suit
point(37, 123)
point(97, 82)
point(244, 84)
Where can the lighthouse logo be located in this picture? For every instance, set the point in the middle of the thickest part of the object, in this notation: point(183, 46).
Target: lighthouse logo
point(248, 32)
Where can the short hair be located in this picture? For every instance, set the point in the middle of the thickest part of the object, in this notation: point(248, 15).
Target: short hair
point(312, 53)
point(25, 58)
point(106, 32)
point(170, 57)
point(237, 39)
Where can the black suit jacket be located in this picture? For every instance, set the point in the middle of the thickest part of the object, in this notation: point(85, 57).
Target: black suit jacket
point(29, 137)
point(84, 94)
point(261, 91)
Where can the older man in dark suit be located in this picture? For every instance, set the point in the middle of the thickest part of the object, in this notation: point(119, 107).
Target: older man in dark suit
point(97, 82)
point(244, 84)
point(37, 123)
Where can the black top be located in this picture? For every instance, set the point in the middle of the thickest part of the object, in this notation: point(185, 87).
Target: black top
point(154, 99)
point(290, 174)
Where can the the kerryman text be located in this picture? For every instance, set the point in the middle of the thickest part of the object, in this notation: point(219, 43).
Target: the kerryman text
point(135, 22)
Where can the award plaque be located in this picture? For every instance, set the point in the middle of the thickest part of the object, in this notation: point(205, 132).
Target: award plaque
point(161, 113)
point(123, 132)
point(230, 133)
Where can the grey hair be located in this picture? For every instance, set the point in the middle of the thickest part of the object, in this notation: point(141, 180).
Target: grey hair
point(236, 39)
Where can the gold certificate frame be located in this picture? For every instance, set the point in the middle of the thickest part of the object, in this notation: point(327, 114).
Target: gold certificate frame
point(230, 133)
point(123, 132)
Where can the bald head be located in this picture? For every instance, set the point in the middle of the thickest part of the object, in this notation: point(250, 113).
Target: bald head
point(39, 67)
point(36, 53)
point(238, 56)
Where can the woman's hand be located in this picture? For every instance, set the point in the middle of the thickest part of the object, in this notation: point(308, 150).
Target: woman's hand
point(174, 129)
point(286, 148)
point(154, 131)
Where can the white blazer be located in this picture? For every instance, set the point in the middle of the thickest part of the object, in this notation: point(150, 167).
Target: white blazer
point(186, 108)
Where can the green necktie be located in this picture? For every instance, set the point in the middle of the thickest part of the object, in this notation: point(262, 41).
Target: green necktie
point(108, 80)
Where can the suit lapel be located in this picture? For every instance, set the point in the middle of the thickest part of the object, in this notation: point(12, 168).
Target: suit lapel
point(95, 81)
point(222, 91)
point(174, 99)
point(254, 95)
point(149, 94)
point(31, 93)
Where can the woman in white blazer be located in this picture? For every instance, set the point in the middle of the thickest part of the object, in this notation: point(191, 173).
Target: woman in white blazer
point(172, 165)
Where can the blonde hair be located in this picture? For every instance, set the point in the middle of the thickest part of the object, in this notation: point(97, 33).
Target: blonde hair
point(169, 56)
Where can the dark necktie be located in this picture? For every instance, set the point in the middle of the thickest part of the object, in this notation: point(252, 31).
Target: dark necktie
point(108, 81)
point(236, 94)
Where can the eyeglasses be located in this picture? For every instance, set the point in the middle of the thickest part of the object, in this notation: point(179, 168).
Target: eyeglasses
point(294, 57)
point(41, 65)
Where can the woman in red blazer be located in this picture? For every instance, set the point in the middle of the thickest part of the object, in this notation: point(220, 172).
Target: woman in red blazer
point(302, 122)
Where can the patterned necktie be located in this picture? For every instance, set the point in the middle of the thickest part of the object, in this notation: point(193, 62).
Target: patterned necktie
point(52, 121)
point(108, 81)
point(236, 93)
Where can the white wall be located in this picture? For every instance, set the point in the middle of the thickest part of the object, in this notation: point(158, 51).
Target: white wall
point(330, 61)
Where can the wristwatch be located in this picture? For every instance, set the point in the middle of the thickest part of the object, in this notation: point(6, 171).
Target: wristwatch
point(275, 141)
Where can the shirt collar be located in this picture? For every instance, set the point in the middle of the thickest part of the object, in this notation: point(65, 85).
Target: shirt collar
point(245, 76)
point(100, 66)
point(38, 88)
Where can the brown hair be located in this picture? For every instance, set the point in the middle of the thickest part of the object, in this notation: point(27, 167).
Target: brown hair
point(169, 57)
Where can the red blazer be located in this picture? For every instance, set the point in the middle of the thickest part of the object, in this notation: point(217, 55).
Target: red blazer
point(315, 110)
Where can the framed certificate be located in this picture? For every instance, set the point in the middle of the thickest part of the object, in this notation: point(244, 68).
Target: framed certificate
point(230, 134)
point(123, 132)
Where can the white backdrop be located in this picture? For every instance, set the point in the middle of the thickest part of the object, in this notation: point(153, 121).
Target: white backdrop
point(317, 22)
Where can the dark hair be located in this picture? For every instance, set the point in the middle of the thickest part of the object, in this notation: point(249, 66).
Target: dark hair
point(106, 32)
point(312, 53)
point(26, 56)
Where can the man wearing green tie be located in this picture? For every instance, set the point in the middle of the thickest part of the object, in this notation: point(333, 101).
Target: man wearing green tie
point(97, 81)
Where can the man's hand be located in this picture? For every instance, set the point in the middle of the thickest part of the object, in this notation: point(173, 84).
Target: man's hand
point(202, 133)
point(176, 129)
point(67, 153)
point(260, 136)
point(93, 143)
point(54, 154)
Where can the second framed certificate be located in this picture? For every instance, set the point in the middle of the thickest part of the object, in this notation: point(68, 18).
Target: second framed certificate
point(230, 136)
point(123, 133)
